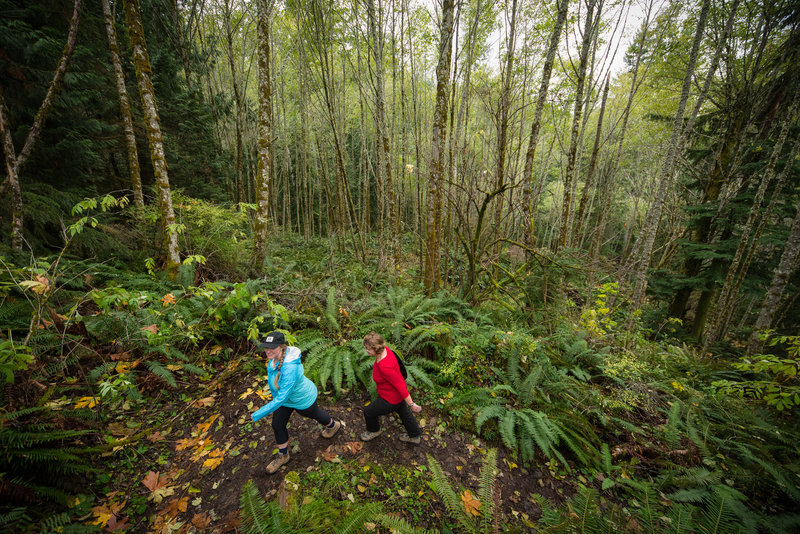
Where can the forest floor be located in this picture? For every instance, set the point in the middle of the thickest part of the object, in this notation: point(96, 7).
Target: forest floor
point(186, 471)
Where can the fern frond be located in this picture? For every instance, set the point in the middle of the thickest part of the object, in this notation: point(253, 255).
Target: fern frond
point(162, 372)
point(259, 516)
point(401, 526)
point(441, 485)
point(482, 415)
point(486, 490)
point(354, 522)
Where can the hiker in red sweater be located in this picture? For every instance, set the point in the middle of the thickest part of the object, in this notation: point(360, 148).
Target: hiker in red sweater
point(393, 395)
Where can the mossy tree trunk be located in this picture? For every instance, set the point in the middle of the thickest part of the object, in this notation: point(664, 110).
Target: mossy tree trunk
point(433, 230)
point(124, 108)
point(14, 161)
point(141, 62)
point(264, 173)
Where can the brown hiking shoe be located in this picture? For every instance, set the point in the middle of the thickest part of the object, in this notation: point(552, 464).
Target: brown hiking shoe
point(408, 439)
point(369, 436)
point(330, 432)
point(277, 462)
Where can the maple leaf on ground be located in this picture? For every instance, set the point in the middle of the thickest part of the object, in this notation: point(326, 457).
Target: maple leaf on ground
point(202, 428)
point(246, 394)
point(175, 506)
point(331, 456)
point(115, 525)
point(354, 446)
point(154, 481)
point(158, 495)
point(471, 504)
point(201, 521)
point(187, 443)
point(215, 458)
point(106, 512)
point(168, 299)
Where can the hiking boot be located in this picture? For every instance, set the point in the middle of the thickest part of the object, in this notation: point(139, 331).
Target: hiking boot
point(329, 432)
point(408, 439)
point(277, 462)
point(369, 436)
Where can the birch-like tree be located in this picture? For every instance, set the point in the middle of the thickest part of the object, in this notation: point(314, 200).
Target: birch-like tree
point(141, 62)
point(433, 228)
point(264, 172)
point(124, 107)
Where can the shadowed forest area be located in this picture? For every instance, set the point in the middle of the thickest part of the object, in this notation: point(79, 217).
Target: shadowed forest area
point(576, 221)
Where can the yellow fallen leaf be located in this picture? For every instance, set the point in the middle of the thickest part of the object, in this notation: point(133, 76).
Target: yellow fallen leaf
point(471, 504)
point(215, 458)
point(86, 402)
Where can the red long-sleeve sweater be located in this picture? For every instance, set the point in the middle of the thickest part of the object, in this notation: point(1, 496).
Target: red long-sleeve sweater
point(390, 383)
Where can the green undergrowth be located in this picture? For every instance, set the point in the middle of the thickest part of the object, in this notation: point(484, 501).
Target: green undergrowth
point(641, 430)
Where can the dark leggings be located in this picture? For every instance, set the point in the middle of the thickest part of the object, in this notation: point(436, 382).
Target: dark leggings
point(280, 418)
point(380, 407)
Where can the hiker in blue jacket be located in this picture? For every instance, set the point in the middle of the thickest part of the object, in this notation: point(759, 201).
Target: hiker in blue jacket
point(291, 390)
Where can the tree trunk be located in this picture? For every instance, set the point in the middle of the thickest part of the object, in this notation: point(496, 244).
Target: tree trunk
point(240, 192)
point(14, 161)
point(152, 122)
point(433, 230)
point(502, 122)
point(780, 279)
point(124, 108)
point(569, 174)
point(547, 70)
point(264, 175)
point(384, 147)
point(644, 248)
point(738, 267)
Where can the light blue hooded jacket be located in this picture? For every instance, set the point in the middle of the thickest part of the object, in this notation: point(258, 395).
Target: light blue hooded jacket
point(296, 390)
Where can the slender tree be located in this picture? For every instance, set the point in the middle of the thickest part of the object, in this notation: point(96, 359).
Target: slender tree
point(644, 248)
point(141, 62)
point(264, 172)
point(590, 25)
point(14, 161)
point(433, 230)
point(528, 203)
point(124, 107)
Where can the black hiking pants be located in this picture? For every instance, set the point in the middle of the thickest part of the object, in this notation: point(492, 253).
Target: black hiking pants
point(380, 407)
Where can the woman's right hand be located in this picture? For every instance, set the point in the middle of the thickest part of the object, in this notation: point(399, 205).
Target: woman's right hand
point(416, 408)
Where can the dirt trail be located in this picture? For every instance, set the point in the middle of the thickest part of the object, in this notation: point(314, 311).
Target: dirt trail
point(246, 449)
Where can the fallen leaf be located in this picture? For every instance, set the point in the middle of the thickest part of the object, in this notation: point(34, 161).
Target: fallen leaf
point(215, 458)
point(158, 495)
point(168, 299)
point(331, 456)
point(201, 521)
point(155, 436)
point(154, 481)
point(115, 525)
point(354, 446)
point(362, 488)
point(153, 329)
point(205, 401)
point(176, 506)
point(246, 394)
point(86, 402)
point(202, 428)
point(471, 504)
point(186, 443)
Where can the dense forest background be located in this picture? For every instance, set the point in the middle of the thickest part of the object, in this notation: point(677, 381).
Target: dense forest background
point(577, 220)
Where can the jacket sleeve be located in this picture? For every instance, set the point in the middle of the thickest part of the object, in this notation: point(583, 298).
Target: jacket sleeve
point(286, 383)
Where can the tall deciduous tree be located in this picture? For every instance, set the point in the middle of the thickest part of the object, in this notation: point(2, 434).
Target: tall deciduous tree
point(264, 172)
point(590, 25)
point(528, 202)
point(124, 107)
point(141, 62)
point(644, 247)
point(384, 148)
point(14, 161)
point(433, 229)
